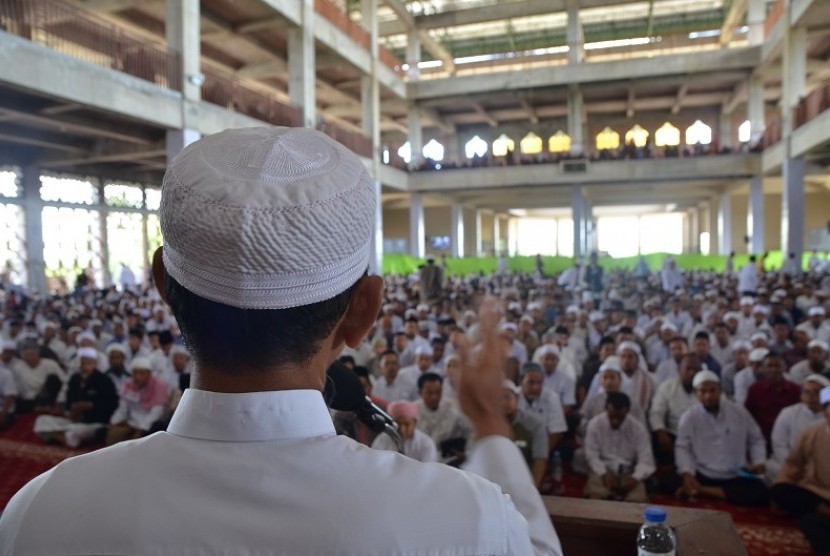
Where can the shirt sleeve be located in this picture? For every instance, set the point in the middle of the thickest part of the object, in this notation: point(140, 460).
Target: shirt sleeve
point(593, 441)
point(757, 443)
point(659, 410)
point(556, 417)
point(569, 392)
point(780, 437)
point(684, 456)
point(645, 458)
point(540, 441)
point(530, 530)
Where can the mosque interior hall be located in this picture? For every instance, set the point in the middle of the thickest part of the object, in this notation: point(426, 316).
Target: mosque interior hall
point(491, 129)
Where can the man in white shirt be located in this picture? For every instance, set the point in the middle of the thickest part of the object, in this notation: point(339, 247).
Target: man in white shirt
point(793, 420)
point(416, 443)
point(391, 385)
point(423, 364)
point(717, 441)
point(748, 277)
point(750, 375)
point(8, 395)
point(816, 362)
point(543, 403)
point(39, 380)
point(668, 369)
point(816, 325)
point(671, 401)
point(618, 451)
point(438, 418)
point(556, 380)
point(251, 218)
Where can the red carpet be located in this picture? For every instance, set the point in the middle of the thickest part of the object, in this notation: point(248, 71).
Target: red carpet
point(23, 456)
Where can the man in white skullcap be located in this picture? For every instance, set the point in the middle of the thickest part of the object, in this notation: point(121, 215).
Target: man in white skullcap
point(423, 364)
point(670, 402)
point(740, 361)
point(117, 369)
point(556, 379)
point(750, 375)
point(267, 235)
point(543, 403)
point(39, 380)
point(815, 364)
point(793, 420)
point(816, 326)
point(717, 440)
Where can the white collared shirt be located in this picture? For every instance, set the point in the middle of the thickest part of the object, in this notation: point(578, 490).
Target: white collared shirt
point(789, 425)
point(669, 403)
point(402, 388)
point(548, 408)
point(607, 449)
point(263, 473)
point(419, 447)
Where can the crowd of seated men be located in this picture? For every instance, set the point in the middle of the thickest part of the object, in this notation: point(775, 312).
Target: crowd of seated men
point(718, 386)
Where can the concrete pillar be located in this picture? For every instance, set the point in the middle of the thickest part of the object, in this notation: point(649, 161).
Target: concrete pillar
point(413, 54)
point(579, 216)
point(416, 135)
point(302, 65)
point(794, 73)
point(576, 120)
point(182, 31)
point(755, 215)
point(725, 130)
point(103, 238)
point(33, 225)
point(496, 235)
point(755, 109)
point(478, 234)
point(725, 224)
point(457, 230)
point(694, 231)
point(417, 233)
point(370, 97)
point(756, 15)
point(576, 40)
point(512, 236)
point(792, 207)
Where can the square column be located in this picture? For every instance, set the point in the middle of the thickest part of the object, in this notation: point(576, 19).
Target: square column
point(756, 15)
point(457, 230)
point(725, 224)
point(755, 109)
point(755, 215)
point(496, 235)
point(578, 213)
point(792, 207)
point(576, 39)
point(478, 234)
point(417, 234)
point(182, 31)
point(370, 98)
point(413, 54)
point(416, 135)
point(576, 120)
point(302, 65)
point(33, 225)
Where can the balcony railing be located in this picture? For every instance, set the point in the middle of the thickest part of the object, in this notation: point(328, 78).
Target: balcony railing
point(80, 34)
point(232, 94)
point(356, 142)
point(812, 105)
point(773, 16)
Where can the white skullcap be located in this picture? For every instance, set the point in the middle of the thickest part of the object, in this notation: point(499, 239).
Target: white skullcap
point(510, 385)
point(596, 316)
point(534, 306)
point(824, 395)
point(410, 313)
point(50, 325)
point(90, 353)
point(527, 318)
point(120, 348)
point(546, 349)
point(509, 326)
point(422, 307)
point(9, 345)
point(821, 344)
point(141, 363)
point(423, 350)
point(469, 313)
point(611, 364)
point(758, 336)
point(514, 306)
point(741, 344)
point(74, 329)
point(86, 336)
point(760, 309)
point(730, 315)
point(95, 322)
point(423, 325)
point(820, 379)
point(572, 309)
point(388, 307)
point(632, 346)
point(747, 300)
point(181, 350)
point(267, 217)
point(822, 293)
point(816, 312)
point(704, 376)
point(668, 326)
point(780, 292)
point(757, 355)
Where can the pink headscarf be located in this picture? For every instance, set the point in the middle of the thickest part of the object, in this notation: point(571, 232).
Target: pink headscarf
point(403, 409)
point(154, 393)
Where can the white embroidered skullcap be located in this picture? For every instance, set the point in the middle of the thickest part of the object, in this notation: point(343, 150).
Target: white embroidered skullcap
point(611, 364)
point(526, 318)
point(631, 346)
point(422, 307)
point(704, 376)
point(741, 344)
point(758, 336)
point(821, 344)
point(820, 379)
point(141, 363)
point(423, 350)
point(86, 336)
point(757, 355)
point(546, 349)
point(668, 326)
point(267, 217)
point(510, 385)
point(509, 326)
point(596, 316)
point(90, 353)
point(816, 312)
point(572, 309)
point(120, 348)
point(824, 395)
point(730, 315)
point(9, 345)
point(746, 300)
point(761, 309)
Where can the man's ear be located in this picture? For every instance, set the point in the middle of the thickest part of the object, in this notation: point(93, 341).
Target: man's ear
point(363, 310)
point(158, 274)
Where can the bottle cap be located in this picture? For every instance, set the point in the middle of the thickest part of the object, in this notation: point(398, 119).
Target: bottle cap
point(655, 514)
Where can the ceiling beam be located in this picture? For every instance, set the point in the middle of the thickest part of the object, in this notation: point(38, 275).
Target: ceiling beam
point(629, 107)
point(437, 120)
point(531, 113)
point(681, 96)
point(265, 68)
point(269, 23)
point(35, 140)
point(104, 151)
point(60, 109)
point(109, 6)
point(491, 121)
point(430, 45)
point(66, 126)
point(733, 19)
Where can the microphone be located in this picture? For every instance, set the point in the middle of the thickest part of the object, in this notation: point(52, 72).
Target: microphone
point(344, 392)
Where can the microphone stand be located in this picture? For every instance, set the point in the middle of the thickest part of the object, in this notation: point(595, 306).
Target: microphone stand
point(395, 435)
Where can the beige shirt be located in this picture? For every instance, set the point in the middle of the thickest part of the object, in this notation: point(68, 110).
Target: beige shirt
point(808, 464)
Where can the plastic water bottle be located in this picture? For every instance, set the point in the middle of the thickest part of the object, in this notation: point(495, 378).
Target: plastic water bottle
point(655, 538)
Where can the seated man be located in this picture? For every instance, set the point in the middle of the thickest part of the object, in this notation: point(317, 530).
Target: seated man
point(542, 403)
point(416, 444)
point(39, 380)
point(117, 371)
point(438, 417)
point(793, 420)
point(816, 362)
point(618, 451)
point(716, 438)
point(529, 432)
point(671, 401)
point(768, 396)
point(750, 375)
point(90, 401)
point(803, 484)
point(8, 395)
point(143, 402)
point(610, 380)
point(392, 386)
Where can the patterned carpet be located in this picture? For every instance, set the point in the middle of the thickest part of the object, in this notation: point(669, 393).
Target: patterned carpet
point(23, 456)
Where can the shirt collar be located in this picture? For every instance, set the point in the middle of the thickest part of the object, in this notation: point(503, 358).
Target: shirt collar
point(251, 416)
